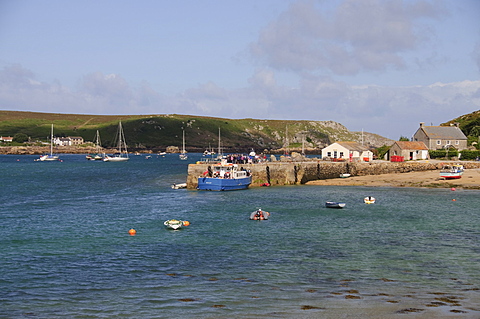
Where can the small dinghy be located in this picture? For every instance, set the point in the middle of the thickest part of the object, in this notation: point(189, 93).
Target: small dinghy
point(179, 186)
point(369, 200)
point(175, 224)
point(334, 205)
point(259, 214)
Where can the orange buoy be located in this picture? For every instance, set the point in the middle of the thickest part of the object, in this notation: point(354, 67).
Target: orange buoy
point(186, 223)
point(454, 200)
point(453, 189)
point(132, 232)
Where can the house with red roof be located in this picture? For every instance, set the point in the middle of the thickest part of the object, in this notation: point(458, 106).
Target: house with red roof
point(408, 150)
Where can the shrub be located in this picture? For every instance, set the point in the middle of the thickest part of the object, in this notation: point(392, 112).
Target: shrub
point(469, 155)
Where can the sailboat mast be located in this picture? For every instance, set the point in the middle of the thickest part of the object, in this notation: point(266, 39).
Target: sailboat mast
point(286, 140)
point(120, 130)
point(183, 149)
point(98, 141)
point(303, 144)
point(219, 145)
point(51, 141)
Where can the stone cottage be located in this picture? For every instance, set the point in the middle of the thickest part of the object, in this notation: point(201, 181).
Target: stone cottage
point(441, 137)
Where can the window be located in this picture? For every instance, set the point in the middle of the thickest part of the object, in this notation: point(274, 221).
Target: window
point(457, 142)
point(341, 154)
point(439, 142)
point(329, 154)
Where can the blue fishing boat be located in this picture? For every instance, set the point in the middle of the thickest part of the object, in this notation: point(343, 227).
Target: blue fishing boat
point(224, 177)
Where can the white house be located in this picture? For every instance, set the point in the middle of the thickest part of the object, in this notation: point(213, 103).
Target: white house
point(68, 141)
point(347, 151)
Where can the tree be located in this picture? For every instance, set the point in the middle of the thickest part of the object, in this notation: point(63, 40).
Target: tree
point(20, 138)
point(403, 138)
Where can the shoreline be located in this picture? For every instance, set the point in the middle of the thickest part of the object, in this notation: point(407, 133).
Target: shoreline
point(430, 179)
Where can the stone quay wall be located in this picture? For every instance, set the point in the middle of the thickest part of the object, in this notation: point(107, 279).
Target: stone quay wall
point(295, 173)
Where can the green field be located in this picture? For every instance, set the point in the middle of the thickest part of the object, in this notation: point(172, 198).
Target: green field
point(159, 131)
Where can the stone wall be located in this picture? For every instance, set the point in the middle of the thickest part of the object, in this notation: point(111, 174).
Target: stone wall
point(294, 173)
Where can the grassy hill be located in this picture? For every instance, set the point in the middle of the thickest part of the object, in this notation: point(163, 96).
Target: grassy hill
point(469, 124)
point(156, 132)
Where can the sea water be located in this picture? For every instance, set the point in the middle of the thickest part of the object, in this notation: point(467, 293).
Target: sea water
point(66, 251)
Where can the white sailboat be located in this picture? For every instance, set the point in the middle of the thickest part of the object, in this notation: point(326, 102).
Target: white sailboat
point(49, 157)
point(97, 156)
point(183, 155)
point(122, 154)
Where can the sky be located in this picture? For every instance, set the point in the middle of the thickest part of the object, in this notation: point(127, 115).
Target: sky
point(381, 66)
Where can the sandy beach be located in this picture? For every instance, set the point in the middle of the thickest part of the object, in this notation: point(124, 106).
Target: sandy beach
point(469, 180)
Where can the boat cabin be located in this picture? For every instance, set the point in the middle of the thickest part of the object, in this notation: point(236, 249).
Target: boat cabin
point(228, 171)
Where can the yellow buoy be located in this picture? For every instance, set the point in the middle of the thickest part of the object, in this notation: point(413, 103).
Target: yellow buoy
point(186, 223)
point(132, 232)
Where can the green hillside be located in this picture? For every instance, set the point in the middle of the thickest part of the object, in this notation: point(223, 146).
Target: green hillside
point(469, 123)
point(156, 132)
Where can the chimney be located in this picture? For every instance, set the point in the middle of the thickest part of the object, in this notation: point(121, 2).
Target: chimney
point(421, 124)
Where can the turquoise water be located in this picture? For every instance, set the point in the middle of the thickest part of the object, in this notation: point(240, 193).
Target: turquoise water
point(66, 251)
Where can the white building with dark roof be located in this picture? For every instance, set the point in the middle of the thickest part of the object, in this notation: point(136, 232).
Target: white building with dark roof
point(352, 151)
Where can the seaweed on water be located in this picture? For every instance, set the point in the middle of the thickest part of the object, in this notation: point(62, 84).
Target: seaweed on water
point(187, 299)
point(409, 310)
point(308, 307)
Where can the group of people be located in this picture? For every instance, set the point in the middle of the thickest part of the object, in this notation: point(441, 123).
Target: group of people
point(252, 158)
point(259, 214)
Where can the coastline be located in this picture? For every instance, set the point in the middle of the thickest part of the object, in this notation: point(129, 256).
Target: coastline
point(469, 180)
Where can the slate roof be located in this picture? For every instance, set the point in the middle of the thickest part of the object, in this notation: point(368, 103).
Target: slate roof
point(444, 132)
point(405, 145)
point(353, 146)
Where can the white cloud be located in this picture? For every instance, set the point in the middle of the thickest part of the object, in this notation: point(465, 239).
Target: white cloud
point(388, 111)
point(357, 36)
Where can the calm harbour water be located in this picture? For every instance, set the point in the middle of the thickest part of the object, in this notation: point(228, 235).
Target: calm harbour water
point(66, 251)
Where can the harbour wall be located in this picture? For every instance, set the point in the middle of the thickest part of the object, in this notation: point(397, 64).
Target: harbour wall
point(296, 173)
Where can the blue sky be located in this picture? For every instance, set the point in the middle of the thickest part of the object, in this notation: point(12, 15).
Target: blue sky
point(378, 65)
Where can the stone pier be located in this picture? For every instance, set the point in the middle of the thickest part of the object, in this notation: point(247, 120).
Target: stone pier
point(295, 173)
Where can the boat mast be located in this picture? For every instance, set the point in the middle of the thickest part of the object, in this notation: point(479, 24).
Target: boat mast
point(120, 130)
point(51, 142)
point(286, 140)
point(183, 149)
point(98, 142)
point(219, 145)
point(303, 144)
point(122, 144)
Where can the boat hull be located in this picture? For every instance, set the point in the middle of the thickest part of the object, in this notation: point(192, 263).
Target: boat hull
point(48, 158)
point(452, 172)
point(115, 159)
point(451, 175)
point(334, 205)
point(173, 224)
point(223, 184)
